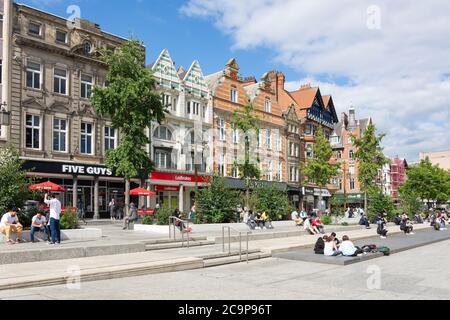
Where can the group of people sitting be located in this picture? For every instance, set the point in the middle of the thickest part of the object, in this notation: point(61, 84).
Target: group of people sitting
point(257, 221)
point(330, 246)
point(439, 220)
point(311, 223)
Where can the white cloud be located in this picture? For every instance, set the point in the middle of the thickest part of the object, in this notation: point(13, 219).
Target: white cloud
point(397, 74)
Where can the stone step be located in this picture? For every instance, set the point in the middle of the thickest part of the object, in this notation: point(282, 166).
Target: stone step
point(105, 273)
point(235, 259)
point(177, 245)
point(49, 253)
point(226, 254)
point(164, 241)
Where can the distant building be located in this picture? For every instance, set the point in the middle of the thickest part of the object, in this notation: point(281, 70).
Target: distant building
point(347, 183)
point(398, 176)
point(441, 158)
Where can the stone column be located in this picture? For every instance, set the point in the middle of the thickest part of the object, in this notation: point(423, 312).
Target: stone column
point(96, 203)
point(181, 198)
point(7, 60)
point(75, 191)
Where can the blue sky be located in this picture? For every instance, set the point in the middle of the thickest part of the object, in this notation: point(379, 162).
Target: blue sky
point(386, 58)
point(160, 24)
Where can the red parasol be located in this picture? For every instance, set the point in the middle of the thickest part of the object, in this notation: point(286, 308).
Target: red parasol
point(47, 186)
point(142, 192)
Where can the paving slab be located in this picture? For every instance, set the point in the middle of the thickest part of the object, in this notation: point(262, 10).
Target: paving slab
point(397, 243)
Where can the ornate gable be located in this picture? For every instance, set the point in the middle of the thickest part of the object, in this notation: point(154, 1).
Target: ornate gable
point(165, 71)
point(194, 81)
point(34, 103)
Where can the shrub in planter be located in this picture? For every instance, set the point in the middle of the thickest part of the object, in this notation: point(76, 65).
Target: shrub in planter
point(147, 220)
point(69, 219)
point(162, 216)
point(326, 220)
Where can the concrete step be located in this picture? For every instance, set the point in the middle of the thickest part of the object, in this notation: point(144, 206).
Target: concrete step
point(235, 259)
point(105, 273)
point(226, 254)
point(177, 245)
point(164, 241)
point(63, 252)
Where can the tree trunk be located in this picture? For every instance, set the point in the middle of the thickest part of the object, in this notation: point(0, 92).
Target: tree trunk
point(365, 203)
point(127, 196)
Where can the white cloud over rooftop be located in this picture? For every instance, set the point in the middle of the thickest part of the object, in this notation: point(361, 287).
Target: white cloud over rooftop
point(397, 74)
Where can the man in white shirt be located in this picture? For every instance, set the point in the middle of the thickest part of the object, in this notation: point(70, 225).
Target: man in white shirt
point(39, 223)
point(55, 216)
point(348, 249)
point(10, 224)
point(296, 218)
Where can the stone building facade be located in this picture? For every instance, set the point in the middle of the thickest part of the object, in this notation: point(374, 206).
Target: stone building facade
point(53, 66)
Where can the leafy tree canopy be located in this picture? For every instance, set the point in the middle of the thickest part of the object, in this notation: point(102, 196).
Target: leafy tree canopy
point(132, 102)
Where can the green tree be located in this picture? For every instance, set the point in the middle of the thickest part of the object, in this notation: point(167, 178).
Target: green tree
point(273, 201)
point(217, 203)
point(13, 180)
point(427, 181)
point(379, 203)
point(370, 159)
point(319, 170)
point(245, 120)
point(409, 201)
point(132, 102)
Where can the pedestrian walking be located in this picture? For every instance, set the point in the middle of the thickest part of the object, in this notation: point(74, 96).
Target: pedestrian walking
point(80, 211)
point(55, 217)
point(112, 209)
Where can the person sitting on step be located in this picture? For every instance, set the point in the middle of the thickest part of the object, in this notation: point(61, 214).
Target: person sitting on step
point(10, 225)
point(331, 249)
point(406, 226)
point(267, 221)
point(131, 217)
point(348, 249)
point(39, 224)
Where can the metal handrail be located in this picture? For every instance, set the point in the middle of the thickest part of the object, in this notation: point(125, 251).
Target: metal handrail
point(172, 220)
point(229, 241)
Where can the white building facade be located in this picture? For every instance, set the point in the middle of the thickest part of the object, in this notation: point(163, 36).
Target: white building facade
point(181, 146)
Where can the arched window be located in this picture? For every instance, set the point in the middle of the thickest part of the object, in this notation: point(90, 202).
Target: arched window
point(162, 133)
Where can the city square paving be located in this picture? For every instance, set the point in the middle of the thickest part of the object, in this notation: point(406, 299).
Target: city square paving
point(420, 273)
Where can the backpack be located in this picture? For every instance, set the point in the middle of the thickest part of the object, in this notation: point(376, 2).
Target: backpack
point(319, 247)
point(371, 248)
point(437, 227)
point(384, 250)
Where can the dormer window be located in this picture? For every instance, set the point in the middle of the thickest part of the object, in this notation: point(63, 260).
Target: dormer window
point(87, 48)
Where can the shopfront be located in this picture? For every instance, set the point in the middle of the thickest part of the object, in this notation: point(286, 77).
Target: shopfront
point(295, 195)
point(308, 199)
point(95, 185)
point(176, 190)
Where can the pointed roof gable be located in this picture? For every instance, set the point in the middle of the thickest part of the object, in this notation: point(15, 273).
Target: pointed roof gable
point(164, 69)
point(329, 105)
point(306, 96)
point(195, 81)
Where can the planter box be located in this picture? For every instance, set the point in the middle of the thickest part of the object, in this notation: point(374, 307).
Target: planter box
point(77, 234)
point(152, 228)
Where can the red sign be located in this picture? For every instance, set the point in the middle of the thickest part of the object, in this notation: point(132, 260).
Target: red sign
point(143, 212)
point(178, 178)
point(167, 188)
